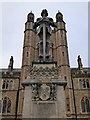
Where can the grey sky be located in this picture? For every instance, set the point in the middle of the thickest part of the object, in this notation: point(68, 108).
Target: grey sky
point(14, 16)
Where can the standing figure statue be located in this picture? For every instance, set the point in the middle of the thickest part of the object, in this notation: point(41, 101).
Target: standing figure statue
point(79, 62)
point(10, 66)
point(44, 30)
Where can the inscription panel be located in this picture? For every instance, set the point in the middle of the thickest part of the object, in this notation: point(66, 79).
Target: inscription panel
point(44, 110)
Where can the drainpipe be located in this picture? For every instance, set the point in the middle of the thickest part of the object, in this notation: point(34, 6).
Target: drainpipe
point(74, 98)
point(17, 99)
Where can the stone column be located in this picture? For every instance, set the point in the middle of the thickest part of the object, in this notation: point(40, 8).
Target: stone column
point(27, 106)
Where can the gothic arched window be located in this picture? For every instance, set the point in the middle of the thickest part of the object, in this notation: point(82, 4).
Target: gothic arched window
point(83, 105)
point(6, 105)
point(84, 85)
point(81, 83)
point(87, 105)
point(10, 85)
point(4, 84)
point(7, 84)
point(87, 83)
point(9, 106)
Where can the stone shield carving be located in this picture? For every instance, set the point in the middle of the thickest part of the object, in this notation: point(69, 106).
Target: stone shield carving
point(44, 92)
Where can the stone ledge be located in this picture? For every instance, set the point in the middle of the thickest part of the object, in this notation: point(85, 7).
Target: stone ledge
point(30, 82)
point(40, 102)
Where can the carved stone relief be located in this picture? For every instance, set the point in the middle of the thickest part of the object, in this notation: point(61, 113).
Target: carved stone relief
point(35, 92)
point(43, 92)
point(41, 72)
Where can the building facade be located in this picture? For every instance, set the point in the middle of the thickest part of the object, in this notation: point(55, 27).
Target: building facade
point(45, 86)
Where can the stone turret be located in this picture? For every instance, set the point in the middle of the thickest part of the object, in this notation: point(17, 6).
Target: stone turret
point(61, 47)
point(28, 45)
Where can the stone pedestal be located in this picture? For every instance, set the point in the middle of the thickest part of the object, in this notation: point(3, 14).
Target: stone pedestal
point(41, 108)
point(44, 95)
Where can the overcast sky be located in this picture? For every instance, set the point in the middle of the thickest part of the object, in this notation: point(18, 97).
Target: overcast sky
point(14, 16)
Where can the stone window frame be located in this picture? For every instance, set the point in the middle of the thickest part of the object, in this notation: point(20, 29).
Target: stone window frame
point(7, 84)
point(6, 105)
point(82, 105)
point(85, 104)
point(87, 101)
point(84, 83)
point(87, 83)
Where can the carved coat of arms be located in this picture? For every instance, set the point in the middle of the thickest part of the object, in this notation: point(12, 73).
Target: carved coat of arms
point(44, 92)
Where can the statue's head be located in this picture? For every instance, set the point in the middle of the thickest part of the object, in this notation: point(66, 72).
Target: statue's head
point(78, 56)
point(44, 13)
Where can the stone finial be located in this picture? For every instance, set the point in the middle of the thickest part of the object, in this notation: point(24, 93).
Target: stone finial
point(10, 66)
point(59, 17)
point(80, 66)
point(30, 17)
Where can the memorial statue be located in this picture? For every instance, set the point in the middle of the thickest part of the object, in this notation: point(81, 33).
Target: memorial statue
point(79, 62)
point(44, 30)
